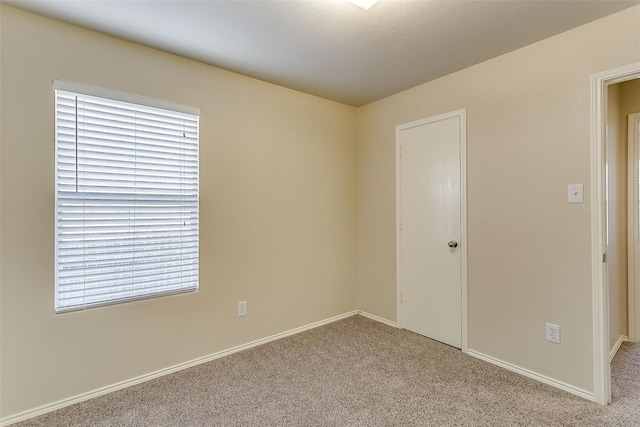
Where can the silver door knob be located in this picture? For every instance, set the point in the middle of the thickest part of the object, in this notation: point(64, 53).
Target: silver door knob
point(453, 244)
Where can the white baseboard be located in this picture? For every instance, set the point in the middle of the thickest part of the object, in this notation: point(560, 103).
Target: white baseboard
point(378, 319)
point(616, 346)
point(142, 378)
point(533, 375)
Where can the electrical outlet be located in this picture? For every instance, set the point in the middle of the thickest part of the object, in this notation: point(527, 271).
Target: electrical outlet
point(553, 333)
point(242, 308)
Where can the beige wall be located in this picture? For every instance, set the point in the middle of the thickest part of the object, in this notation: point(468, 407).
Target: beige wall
point(529, 252)
point(629, 104)
point(623, 99)
point(277, 210)
point(616, 216)
point(630, 97)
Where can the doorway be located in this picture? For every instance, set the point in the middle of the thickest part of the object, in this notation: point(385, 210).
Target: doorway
point(600, 286)
point(623, 99)
point(431, 234)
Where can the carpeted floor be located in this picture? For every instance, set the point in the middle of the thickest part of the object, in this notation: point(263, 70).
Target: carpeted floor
point(355, 372)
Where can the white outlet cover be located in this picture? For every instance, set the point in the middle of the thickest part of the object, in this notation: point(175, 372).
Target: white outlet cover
point(242, 308)
point(553, 333)
point(576, 193)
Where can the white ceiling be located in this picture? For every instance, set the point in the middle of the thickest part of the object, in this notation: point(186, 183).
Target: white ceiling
point(332, 48)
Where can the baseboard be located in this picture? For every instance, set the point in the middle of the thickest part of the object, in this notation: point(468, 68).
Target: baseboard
point(616, 346)
point(162, 372)
point(378, 319)
point(533, 375)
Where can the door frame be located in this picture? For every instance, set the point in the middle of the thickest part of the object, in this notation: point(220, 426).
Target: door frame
point(462, 114)
point(600, 287)
point(633, 256)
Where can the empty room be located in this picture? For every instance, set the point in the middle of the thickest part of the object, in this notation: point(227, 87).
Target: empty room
point(286, 213)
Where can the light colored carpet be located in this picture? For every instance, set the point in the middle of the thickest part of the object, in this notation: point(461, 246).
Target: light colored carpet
point(355, 372)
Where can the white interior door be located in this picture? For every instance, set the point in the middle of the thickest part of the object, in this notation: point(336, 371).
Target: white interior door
point(431, 259)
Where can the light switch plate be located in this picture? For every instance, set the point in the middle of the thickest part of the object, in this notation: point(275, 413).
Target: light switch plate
point(576, 193)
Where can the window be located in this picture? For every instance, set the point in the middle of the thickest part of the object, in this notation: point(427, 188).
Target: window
point(126, 197)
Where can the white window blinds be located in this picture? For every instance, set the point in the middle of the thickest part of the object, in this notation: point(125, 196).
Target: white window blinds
point(126, 199)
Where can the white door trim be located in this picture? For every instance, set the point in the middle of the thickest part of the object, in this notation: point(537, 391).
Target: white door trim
point(462, 114)
point(600, 294)
point(633, 231)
